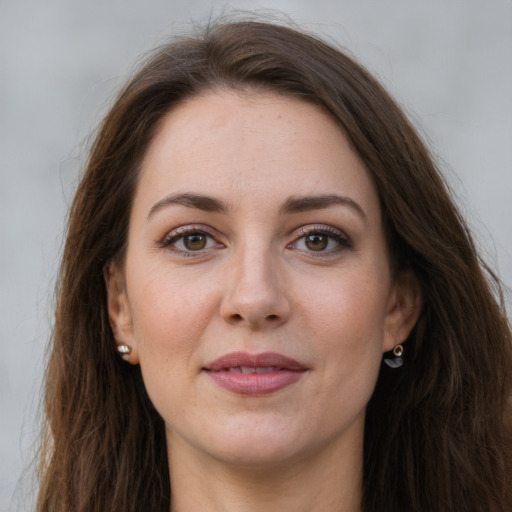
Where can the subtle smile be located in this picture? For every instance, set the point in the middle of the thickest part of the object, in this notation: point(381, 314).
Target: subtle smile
point(255, 374)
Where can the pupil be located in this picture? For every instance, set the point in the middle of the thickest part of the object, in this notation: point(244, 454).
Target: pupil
point(316, 242)
point(195, 242)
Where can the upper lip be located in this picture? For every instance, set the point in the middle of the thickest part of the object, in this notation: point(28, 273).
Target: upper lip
point(265, 359)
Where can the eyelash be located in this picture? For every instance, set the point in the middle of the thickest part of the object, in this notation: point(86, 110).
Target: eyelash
point(343, 241)
point(179, 234)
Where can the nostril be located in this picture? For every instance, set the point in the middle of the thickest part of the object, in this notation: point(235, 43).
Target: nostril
point(237, 317)
point(272, 317)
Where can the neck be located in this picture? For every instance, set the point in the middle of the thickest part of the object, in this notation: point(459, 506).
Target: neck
point(331, 481)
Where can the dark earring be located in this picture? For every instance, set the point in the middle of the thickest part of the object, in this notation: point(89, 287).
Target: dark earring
point(398, 361)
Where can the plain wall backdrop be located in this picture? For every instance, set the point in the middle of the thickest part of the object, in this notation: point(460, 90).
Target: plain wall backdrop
point(448, 62)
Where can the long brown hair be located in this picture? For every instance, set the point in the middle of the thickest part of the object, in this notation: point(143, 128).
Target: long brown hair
point(438, 432)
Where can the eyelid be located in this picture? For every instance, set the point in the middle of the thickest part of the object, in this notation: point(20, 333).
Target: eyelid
point(182, 231)
point(342, 239)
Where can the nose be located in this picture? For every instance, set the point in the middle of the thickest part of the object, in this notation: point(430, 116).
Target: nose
point(255, 294)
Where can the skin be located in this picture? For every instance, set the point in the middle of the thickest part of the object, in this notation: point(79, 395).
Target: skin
point(258, 285)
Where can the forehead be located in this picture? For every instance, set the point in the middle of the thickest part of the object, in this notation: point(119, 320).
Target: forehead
point(237, 146)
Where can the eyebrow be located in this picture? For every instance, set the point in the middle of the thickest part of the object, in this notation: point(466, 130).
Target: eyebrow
point(290, 206)
point(198, 201)
point(305, 203)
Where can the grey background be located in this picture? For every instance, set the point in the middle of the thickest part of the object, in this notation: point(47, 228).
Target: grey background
point(448, 62)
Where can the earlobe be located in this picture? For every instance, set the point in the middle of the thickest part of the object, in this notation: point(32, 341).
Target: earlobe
point(404, 307)
point(119, 314)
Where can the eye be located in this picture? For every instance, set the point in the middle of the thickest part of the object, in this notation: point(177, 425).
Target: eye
point(321, 240)
point(189, 240)
point(192, 242)
point(317, 241)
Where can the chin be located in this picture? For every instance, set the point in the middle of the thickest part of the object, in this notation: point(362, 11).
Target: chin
point(256, 443)
point(259, 454)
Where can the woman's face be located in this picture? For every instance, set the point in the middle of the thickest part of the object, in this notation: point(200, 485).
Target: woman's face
point(256, 292)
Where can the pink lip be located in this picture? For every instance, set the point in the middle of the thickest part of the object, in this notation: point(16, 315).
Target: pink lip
point(236, 372)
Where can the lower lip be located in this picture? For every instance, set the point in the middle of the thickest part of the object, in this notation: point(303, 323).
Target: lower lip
point(255, 383)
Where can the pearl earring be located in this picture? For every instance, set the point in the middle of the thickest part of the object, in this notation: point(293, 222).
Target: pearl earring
point(124, 351)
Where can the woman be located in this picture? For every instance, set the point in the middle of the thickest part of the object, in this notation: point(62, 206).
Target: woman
point(268, 300)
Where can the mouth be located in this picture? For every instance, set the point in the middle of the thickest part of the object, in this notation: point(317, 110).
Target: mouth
point(247, 370)
point(255, 374)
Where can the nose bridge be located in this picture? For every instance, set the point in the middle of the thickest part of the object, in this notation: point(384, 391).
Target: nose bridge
point(254, 295)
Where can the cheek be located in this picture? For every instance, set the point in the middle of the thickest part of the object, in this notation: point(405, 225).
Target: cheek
point(168, 320)
point(169, 314)
point(354, 303)
point(346, 317)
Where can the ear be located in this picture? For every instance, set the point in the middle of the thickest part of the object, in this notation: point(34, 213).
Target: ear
point(404, 306)
point(119, 312)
